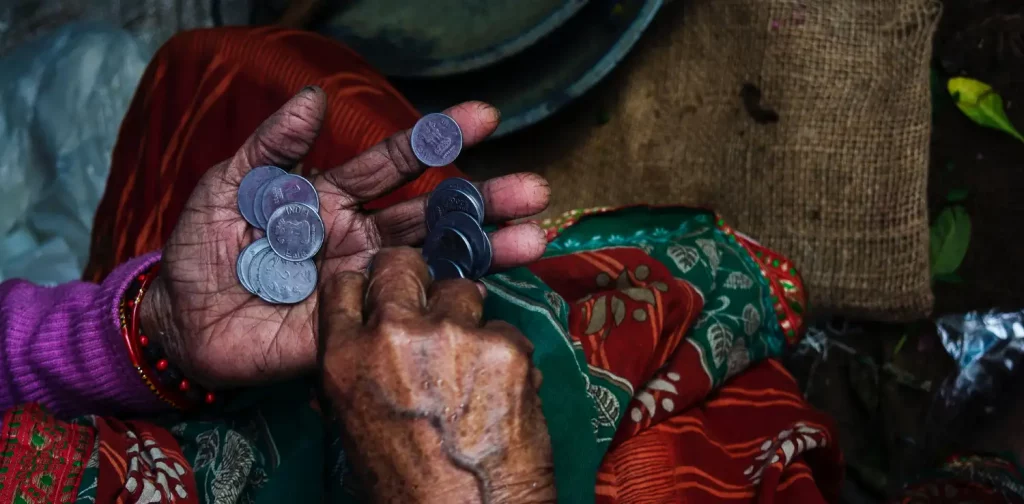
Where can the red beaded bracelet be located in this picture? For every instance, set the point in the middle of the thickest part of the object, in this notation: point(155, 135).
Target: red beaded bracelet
point(146, 356)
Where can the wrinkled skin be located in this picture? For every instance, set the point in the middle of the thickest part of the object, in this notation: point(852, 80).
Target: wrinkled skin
point(220, 334)
point(436, 405)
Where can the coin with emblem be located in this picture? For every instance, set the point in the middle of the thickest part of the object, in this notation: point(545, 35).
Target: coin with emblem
point(436, 140)
point(295, 231)
point(451, 230)
point(287, 189)
point(250, 185)
point(454, 195)
point(286, 282)
point(443, 269)
point(245, 259)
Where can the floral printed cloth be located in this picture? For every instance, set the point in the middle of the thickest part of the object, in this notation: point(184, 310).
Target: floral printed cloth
point(656, 329)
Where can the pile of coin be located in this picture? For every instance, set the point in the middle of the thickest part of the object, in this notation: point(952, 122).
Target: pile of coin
point(279, 267)
point(456, 245)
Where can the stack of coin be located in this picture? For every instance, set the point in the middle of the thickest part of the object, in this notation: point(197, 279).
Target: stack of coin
point(279, 267)
point(456, 245)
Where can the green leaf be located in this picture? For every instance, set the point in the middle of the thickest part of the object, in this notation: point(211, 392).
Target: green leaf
point(899, 345)
point(981, 104)
point(956, 195)
point(950, 237)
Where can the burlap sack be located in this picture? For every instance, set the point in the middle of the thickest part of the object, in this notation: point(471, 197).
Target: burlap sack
point(837, 183)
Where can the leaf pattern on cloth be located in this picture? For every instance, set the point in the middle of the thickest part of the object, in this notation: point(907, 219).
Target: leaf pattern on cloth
point(738, 281)
point(232, 474)
point(721, 339)
point(556, 302)
point(751, 319)
point(607, 404)
point(613, 302)
point(710, 249)
point(784, 448)
point(209, 445)
point(663, 388)
point(684, 257)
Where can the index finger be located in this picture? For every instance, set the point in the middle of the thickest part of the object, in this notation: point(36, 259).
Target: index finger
point(391, 163)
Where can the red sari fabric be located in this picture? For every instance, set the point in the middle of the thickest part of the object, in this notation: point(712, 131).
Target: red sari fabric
point(202, 95)
point(206, 91)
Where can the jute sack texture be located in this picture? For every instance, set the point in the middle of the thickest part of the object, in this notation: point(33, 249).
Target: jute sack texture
point(837, 183)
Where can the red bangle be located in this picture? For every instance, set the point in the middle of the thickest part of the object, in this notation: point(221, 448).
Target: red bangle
point(148, 359)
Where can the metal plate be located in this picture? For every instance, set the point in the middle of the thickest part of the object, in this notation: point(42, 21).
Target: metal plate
point(444, 37)
point(542, 79)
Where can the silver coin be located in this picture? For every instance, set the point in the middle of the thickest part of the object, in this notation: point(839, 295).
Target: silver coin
point(448, 243)
point(436, 140)
point(443, 269)
point(454, 195)
point(288, 189)
point(295, 231)
point(284, 281)
point(480, 244)
point(250, 185)
point(254, 272)
point(245, 259)
point(257, 207)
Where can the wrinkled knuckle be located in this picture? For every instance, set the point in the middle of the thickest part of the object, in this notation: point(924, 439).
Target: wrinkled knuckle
point(391, 328)
point(395, 259)
point(277, 149)
point(307, 107)
point(448, 328)
point(507, 355)
point(398, 149)
point(408, 255)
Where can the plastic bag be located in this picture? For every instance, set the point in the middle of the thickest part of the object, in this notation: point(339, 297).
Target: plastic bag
point(902, 406)
point(988, 348)
point(62, 98)
point(153, 21)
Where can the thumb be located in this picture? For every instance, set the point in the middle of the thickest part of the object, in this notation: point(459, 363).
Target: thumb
point(285, 137)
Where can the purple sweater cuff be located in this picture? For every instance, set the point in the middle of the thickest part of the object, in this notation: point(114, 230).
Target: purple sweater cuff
point(62, 347)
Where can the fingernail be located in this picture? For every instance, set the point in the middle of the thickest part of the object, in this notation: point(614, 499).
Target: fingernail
point(310, 88)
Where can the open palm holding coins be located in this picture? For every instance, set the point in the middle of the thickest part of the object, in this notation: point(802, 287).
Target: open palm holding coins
point(279, 267)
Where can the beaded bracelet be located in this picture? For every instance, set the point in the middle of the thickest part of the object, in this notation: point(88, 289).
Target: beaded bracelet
point(148, 358)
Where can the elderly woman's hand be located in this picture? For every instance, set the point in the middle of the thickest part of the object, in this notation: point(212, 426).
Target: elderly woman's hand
point(437, 406)
point(220, 334)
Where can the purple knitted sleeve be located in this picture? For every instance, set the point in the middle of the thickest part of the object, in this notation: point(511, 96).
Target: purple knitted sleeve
point(62, 347)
